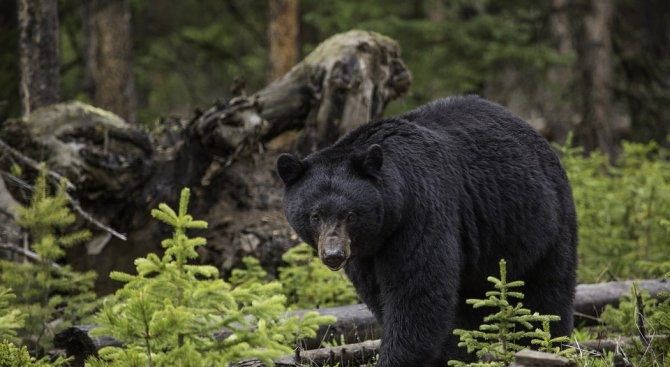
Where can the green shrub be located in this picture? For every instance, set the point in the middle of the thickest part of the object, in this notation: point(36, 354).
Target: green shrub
point(623, 211)
point(11, 318)
point(13, 356)
point(173, 313)
point(51, 296)
point(307, 283)
point(498, 336)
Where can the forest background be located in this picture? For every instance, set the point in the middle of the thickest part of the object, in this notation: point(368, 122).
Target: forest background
point(592, 76)
point(598, 68)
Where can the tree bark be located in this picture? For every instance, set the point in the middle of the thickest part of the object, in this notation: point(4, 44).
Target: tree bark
point(596, 59)
point(559, 110)
point(108, 40)
point(38, 49)
point(283, 36)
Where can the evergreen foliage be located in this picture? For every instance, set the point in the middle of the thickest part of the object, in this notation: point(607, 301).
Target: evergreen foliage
point(51, 296)
point(173, 313)
point(469, 42)
point(251, 273)
point(498, 337)
point(307, 283)
point(11, 318)
point(622, 211)
point(13, 356)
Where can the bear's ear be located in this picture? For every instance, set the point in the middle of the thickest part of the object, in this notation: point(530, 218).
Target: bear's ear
point(371, 162)
point(290, 168)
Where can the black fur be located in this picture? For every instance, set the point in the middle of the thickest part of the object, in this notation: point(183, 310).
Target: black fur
point(457, 185)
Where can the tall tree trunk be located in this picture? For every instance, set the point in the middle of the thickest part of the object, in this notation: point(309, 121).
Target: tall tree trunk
point(38, 49)
point(109, 56)
point(283, 36)
point(597, 62)
point(559, 109)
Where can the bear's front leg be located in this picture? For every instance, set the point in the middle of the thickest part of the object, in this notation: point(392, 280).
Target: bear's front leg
point(419, 302)
point(361, 272)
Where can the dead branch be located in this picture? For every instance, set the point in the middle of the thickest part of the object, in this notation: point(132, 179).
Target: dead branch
point(25, 253)
point(35, 165)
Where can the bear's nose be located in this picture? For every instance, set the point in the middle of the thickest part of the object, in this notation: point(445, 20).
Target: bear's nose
point(333, 258)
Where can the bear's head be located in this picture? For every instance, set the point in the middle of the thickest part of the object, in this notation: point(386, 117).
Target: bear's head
point(333, 200)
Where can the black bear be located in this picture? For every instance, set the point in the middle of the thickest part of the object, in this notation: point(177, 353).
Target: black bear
point(419, 209)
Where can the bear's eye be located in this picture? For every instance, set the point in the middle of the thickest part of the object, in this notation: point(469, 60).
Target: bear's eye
point(314, 218)
point(351, 217)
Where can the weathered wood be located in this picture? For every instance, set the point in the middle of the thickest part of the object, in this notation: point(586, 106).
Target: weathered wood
point(357, 354)
point(226, 155)
point(591, 299)
point(348, 355)
point(355, 323)
point(533, 358)
point(345, 82)
point(615, 344)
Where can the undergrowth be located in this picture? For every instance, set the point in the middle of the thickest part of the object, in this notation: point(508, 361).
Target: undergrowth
point(623, 211)
point(46, 296)
point(172, 313)
point(499, 336)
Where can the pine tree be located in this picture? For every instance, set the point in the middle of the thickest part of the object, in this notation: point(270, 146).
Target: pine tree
point(309, 284)
point(11, 318)
point(173, 313)
point(499, 335)
point(51, 296)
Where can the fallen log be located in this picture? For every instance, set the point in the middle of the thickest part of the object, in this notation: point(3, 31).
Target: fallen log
point(533, 358)
point(355, 323)
point(348, 355)
point(226, 155)
point(357, 354)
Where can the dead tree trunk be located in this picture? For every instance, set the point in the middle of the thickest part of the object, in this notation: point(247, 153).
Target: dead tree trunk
point(226, 155)
point(38, 22)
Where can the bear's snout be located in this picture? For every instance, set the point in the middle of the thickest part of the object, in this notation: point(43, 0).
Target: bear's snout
point(334, 252)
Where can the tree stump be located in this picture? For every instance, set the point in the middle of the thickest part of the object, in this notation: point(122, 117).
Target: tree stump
point(226, 155)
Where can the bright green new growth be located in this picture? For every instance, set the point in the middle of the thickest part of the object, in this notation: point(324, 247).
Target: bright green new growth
point(11, 318)
point(309, 284)
point(497, 337)
point(13, 356)
point(622, 210)
point(45, 291)
point(306, 282)
point(176, 314)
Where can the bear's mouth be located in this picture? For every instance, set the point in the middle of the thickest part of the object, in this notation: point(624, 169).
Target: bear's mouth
point(336, 267)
